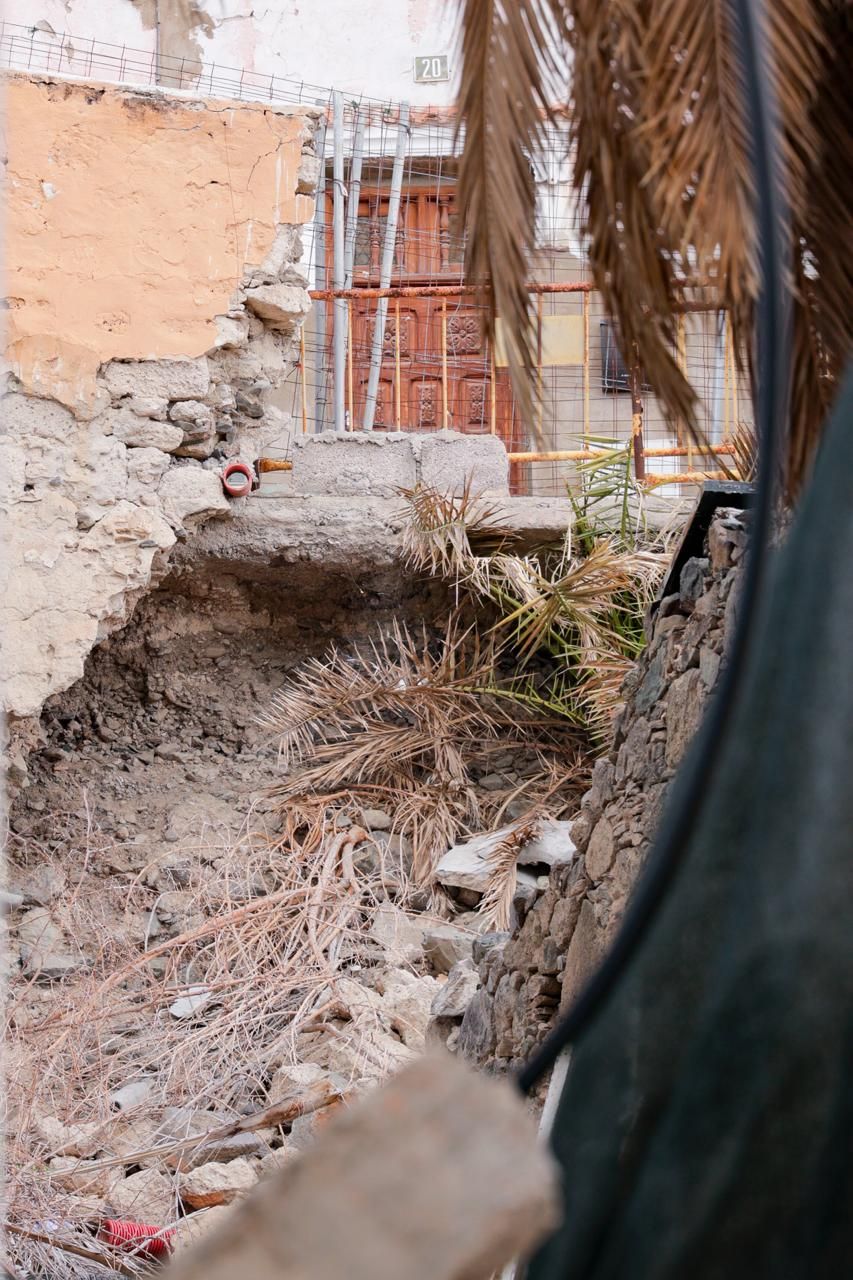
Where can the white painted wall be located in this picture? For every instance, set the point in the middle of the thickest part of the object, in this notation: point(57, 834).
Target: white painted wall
point(113, 21)
point(359, 46)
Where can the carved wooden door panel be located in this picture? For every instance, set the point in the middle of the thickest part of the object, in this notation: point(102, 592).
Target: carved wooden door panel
point(411, 395)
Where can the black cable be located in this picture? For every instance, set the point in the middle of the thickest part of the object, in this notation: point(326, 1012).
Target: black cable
point(773, 364)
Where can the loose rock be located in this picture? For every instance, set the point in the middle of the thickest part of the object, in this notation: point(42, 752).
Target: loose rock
point(216, 1183)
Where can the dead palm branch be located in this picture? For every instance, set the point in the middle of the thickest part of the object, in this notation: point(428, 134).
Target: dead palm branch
point(402, 724)
point(660, 148)
point(582, 606)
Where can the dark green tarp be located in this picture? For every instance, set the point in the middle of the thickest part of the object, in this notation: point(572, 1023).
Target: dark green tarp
point(706, 1127)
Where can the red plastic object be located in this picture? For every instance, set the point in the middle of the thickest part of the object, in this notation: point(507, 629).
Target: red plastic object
point(139, 1238)
point(238, 479)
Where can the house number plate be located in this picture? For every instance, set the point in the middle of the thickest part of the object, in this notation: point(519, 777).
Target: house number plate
point(429, 70)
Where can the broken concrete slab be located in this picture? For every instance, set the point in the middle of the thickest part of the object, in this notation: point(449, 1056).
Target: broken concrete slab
point(466, 866)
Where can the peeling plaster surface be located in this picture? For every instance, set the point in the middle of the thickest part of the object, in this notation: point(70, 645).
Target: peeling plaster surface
point(153, 306)
point(359, 46)
point(190, 191)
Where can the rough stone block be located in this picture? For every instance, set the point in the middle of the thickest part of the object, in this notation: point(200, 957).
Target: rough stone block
point(684, 707)
point(141, 433)
point(145, 1196)
point(23, 417)
point(357, 462)
point(601, 850)
point(177, 378)
point(445, 945)
point(191, 494)
point(453, 996)
point(217, 1182)
point(280, 306)
point(449, 459)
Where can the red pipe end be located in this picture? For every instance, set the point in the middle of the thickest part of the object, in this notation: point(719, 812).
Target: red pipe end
point(238, 479)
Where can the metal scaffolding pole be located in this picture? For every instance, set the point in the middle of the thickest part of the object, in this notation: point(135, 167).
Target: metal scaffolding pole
point(352, 199)
point(320, 277)
point(340, 306)
point(387, 265)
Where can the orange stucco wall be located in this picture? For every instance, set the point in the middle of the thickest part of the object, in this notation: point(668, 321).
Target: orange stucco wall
point(130, 219)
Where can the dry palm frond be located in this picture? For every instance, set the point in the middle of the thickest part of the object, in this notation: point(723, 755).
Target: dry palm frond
point(823, 245)
point(580, 602)
point(745, 445)
point(451, 534)
point(508, 84)
point(332, 699)
point(401, 724)
point(502, 860)
point(659, 144)
point(599, 693)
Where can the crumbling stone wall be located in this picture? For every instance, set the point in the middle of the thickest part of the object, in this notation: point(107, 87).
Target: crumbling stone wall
point(154, 303)
point(560, 932)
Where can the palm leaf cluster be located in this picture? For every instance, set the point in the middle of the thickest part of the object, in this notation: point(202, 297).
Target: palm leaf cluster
point(660, 147)
point(409, 724)
point(575, 615)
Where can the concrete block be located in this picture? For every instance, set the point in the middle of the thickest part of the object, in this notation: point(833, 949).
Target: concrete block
point(358, 462)
point(448, 459)
point(178, 378)
point(436, 1176)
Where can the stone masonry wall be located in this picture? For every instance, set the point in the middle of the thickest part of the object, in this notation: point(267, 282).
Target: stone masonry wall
point(561, 932)
point(153, 307)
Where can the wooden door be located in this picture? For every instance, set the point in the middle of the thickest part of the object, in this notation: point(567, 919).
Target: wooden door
point(413, 394)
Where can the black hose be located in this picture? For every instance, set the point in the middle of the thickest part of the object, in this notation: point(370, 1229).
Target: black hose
point(772, 363)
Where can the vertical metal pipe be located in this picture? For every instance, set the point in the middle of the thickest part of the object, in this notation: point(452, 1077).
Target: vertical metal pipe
point(352, 199)
point(350, 339)
point(585, 297)
point(444, 364)
point(540, 386)
point(302, 379)
point(726, 382)
point(340, 306)
point(733, 367)
point(493, 407)
point(322, 282)
point(387, 265)
point(682, 364)
point(397, 388)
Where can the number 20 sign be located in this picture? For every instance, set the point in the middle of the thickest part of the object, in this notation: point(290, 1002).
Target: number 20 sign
point(429, 70)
